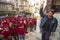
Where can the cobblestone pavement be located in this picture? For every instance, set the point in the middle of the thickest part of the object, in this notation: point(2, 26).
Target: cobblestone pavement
point(30, 36)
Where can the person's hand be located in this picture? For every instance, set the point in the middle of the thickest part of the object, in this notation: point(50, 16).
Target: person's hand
point(41, 6)
point(52, 33)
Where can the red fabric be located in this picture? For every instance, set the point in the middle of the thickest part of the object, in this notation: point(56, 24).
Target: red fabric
point(6, 34)
point(7, 20)
point(21, 31)
point(1, 29)
point(13, 20)
point(34, 21)
point(5, 25)
point(30, 23)
point(20, 24)
point(14, 30)
point(3, 21)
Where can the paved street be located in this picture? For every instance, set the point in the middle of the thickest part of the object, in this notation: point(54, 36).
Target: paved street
point(30, 36)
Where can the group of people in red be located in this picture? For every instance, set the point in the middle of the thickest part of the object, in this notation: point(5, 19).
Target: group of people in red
point(16, 27)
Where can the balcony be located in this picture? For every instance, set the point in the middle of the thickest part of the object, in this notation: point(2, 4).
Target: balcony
point(6, 2)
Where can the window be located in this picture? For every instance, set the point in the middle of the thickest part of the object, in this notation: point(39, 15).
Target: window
point(13, 7)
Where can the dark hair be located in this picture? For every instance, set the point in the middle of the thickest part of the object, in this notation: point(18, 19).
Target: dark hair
point(50, 10)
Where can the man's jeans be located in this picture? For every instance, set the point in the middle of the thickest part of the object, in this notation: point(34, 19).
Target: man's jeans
point(45, 35)
point(21, 37)
point(16, 37)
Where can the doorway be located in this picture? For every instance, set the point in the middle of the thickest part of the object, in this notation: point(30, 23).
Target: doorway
point(56, 3)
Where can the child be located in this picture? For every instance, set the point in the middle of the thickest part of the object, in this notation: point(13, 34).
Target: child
point(21, 32)
point(6, 34)
point(25, 23)
point(14, 30)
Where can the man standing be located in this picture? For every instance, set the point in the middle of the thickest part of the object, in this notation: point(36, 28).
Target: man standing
point(48, 23)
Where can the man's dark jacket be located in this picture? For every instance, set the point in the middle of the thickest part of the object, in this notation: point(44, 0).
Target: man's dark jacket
point(53, 24)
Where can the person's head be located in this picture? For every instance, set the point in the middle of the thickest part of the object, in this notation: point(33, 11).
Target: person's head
point(50, 12)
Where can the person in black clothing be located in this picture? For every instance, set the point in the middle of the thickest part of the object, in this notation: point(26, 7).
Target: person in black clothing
point(48, 23)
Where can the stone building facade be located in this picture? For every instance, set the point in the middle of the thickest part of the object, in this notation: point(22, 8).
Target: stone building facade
point(6, 7)
point(55, 3)
point(20, 5)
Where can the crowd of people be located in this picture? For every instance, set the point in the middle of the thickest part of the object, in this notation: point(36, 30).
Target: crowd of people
point(16, 27)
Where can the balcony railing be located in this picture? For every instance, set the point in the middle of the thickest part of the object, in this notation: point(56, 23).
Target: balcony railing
point(6, 2)
point(6, 9)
